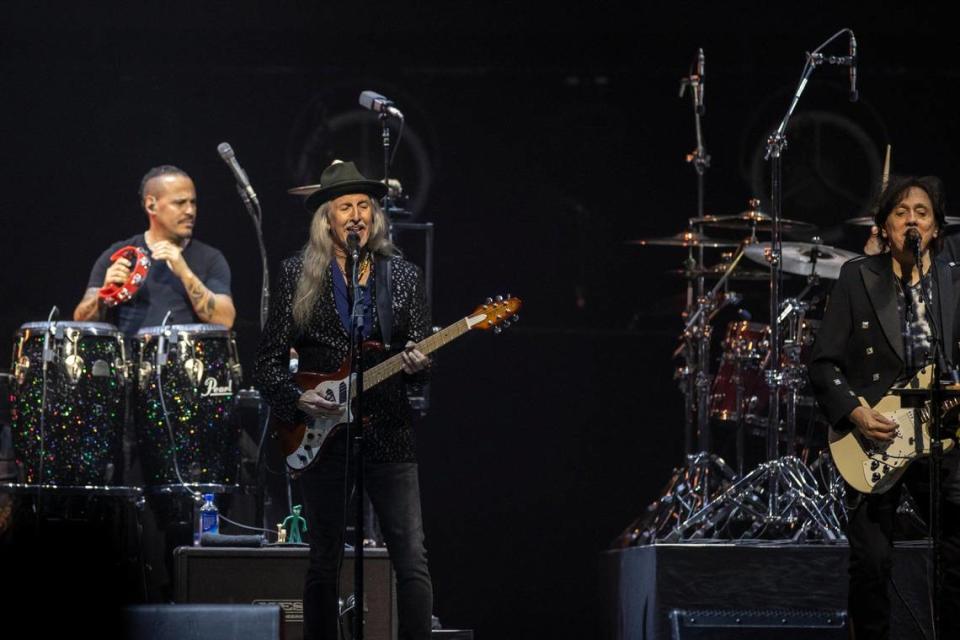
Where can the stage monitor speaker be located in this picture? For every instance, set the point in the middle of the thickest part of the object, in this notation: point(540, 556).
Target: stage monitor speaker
point(275, 575)
point(203, 622)
point(758, 625)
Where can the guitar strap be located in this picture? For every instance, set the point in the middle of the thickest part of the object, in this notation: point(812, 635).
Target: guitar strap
point(383, 277)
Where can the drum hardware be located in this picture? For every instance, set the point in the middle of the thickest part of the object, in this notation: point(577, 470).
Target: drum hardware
point(780, 497)
point(73, 364)
point(702, 474)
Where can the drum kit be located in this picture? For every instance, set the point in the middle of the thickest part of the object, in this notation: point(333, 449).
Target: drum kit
point(739, 393)
point(76, 384)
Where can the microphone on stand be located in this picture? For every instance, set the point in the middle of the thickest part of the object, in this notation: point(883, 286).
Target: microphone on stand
point(913, 242)
point(353, 246)
point(380, 104)
point(854, 94)
point(243, 182)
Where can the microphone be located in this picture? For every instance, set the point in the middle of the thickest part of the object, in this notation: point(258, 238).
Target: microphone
point(913, 241)
point(380, 104)
point(161, 357)
point(353, 245)
point(700, 86)
point(854, 94)
point(226, 152)
point(48, 353)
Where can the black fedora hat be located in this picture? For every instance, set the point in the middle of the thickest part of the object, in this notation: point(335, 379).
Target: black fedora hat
point(339, 179)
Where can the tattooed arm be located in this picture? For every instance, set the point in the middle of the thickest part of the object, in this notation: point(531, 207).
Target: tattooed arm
point(216, 308)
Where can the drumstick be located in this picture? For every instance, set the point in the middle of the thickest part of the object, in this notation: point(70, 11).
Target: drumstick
point(886, 171)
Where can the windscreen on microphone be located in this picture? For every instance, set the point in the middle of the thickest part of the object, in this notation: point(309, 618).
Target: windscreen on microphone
point(353, 241)
point(913, 240)
point(225, 150)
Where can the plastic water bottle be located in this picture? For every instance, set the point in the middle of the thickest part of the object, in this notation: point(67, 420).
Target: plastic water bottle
point(209, 516)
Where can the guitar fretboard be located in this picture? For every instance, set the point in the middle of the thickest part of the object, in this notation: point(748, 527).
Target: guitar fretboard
point(393, 365)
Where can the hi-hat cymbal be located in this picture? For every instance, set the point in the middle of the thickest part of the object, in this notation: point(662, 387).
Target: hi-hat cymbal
point(867, 221)
point(797, 258)
point(685, 239)
point(753, 219)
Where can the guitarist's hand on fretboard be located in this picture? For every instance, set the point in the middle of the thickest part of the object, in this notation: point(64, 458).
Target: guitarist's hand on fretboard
point(873, 424)
point(315, 405)
point(413, 360)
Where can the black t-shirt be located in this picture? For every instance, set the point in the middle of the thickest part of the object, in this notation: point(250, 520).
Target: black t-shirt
point(162, 290)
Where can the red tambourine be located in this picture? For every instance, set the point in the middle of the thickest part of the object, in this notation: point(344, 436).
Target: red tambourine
point(113, 294)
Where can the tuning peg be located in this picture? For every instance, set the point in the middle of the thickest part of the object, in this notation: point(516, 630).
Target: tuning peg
point(506, 323)
point(497, 330)
point(516, 317)
point(489, 300)
point(499, 298)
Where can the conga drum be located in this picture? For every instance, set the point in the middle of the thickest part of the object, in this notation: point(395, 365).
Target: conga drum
point(187, 377)
point(69, 403)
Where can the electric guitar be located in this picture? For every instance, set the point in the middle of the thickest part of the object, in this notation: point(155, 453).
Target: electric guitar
point(873, 466)
point(302, 442)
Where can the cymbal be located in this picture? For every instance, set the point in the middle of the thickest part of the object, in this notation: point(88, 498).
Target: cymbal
point(796, 258)
point(685, 239)
point(753, 219)
point(867, 221)
point(718, 270)
point(304, 190)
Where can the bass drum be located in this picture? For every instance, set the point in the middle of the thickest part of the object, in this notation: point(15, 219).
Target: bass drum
point(67, 421)
point(186, 381)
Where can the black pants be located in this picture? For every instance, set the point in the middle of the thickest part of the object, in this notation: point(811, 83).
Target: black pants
point(870, 532)
point(394, 491)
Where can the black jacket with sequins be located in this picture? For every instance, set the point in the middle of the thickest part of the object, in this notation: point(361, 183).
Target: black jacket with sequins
point(324, 345)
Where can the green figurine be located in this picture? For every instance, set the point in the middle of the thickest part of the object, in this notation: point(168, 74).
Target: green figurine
point(292, 524)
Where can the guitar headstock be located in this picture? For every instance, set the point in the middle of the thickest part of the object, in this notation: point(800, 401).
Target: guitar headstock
point(495, 313)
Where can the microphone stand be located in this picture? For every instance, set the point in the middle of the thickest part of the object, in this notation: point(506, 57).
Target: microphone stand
point(936, 446)
point(385, 136)
point(355, 400)
point(252, 205)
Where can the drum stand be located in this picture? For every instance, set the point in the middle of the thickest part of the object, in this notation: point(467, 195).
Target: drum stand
point(779, 499)
point(692, 485)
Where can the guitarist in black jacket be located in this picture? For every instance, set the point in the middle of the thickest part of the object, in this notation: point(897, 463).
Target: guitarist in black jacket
point(310, 312)
point(861, 351)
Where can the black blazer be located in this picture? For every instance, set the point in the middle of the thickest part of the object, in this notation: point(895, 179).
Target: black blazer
point(859, 348)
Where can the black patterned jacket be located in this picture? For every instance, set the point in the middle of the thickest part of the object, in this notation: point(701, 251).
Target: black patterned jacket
point(324, 346)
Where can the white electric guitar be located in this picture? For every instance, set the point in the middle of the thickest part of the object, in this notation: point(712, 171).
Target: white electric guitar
point(872, 466)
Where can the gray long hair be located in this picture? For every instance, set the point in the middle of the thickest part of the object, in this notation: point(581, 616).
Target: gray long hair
point(319, 251)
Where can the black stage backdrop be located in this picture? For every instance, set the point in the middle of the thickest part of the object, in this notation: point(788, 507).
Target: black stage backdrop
point(538, 142)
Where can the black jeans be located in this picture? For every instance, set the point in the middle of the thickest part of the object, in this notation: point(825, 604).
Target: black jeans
point(870, 533)
point(394, 491)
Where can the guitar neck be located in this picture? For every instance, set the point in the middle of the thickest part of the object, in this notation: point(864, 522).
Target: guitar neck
point(393, 365)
